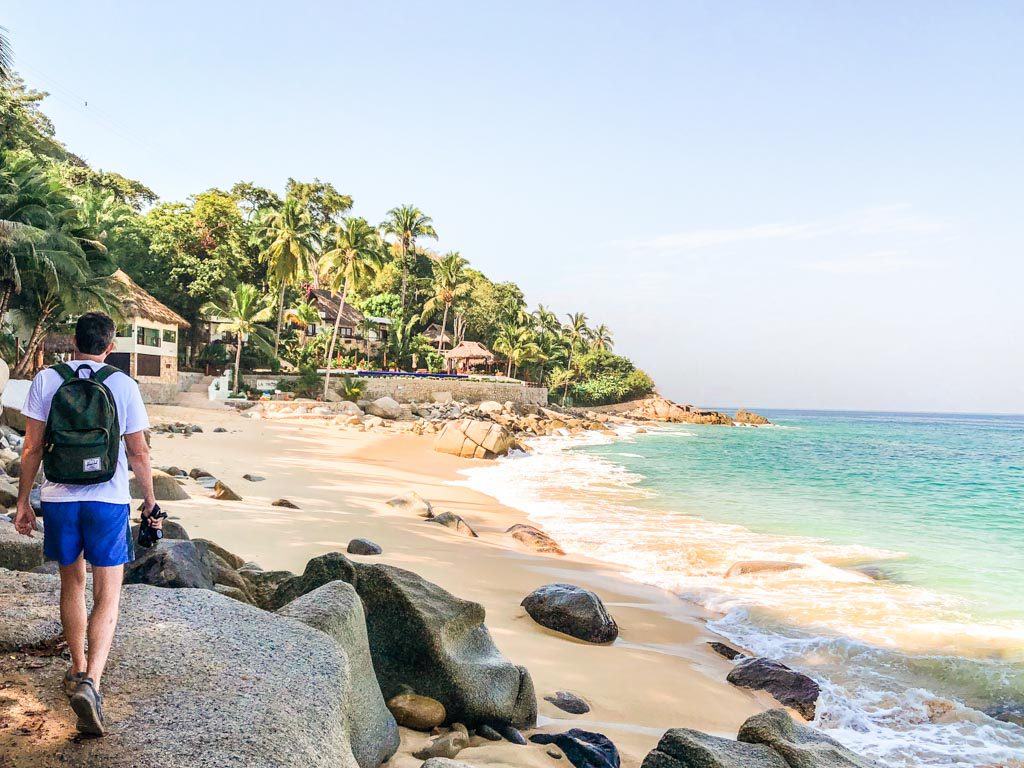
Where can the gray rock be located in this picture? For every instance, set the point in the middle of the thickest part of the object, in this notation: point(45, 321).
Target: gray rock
point(511, 734)
point(222, 571)
point(17, 552)
point(234, 593)
point(336, 610)
point(455, 523)
point(722, 649)
point(224, 493)
point(572, 610)
point(585, 749)
point(426, 638)
point(253, 478)
point(568, 702)
point(789, 687)
point(363, 547)
point(447, 745)
point(171, 563)
point(8, 494)
point(444, 762)
point(385, 408)
point(534, 538)
point(230, 558)
point(800, 746)
point(685, 748)
point(219, 429)
point(195, 473)
point(263, 584)
point(319, 571)
point(165, 487)
point(284, 503)
point(412, 502)
point(222, 673)
point(485, 731)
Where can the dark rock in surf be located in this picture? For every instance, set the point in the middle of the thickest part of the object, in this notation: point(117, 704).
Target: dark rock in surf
point(726, 650)
point(572, 610)
point(686, 748)
point(789, 687)
point(799, 745)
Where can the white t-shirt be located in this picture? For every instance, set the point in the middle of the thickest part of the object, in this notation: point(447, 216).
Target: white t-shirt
point(130, 412)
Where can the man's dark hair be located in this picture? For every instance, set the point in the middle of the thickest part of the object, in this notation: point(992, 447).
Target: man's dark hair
point(94, 332)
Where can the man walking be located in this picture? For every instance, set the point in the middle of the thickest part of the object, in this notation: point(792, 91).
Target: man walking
point(85, 497)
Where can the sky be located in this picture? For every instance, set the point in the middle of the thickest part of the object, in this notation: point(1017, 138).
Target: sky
point(786, 204)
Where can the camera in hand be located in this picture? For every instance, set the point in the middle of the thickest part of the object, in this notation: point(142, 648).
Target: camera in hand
point(148, 535)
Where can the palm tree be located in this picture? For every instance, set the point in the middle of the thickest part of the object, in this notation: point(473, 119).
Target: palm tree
point(450, 282)
point(365, 328)
point(306, 314)
point(600, 337)
point(244, 308)
point(575, 332)
point(291, 250)
point(406, 223)
point(354, 253)
point(562, 377)
point(6, 57)
point(518, 344)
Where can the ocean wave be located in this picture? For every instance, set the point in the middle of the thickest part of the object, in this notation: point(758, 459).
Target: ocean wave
point(880, 649)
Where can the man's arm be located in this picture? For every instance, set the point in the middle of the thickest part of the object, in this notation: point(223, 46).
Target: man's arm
point(31, 457)
point(138, 457)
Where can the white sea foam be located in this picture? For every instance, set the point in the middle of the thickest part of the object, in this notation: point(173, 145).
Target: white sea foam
point(880, 650)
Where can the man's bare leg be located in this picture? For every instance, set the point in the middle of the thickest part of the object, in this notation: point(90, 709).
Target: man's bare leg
point(72, 611)
point(106, 592)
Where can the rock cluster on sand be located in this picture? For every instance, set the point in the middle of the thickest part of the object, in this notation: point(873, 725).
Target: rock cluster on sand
point(572, 610)
point(769, 740)
point(789, 687)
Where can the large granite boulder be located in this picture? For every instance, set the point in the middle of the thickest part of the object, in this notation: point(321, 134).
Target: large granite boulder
point(585, 749)
point(799, 745)
point(263, 584)
point(384, 408)
point(319, 571)
point(165, 487)
point(474, 439)
point(685, 748)
point(789, 687)
point(335, 609)
point(572, 610)
point(17, 552)
point(171, 563)
point(197, 680)
point(426, 639)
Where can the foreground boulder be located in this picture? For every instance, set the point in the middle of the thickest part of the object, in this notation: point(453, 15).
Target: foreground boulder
point(685, 748)
point(572, 610)
point(473, 439)
point(799, 745)
point(336, 610)
point(171, 563)
point(17, 552)
point(320, 570)
point(222, 674)
point(585, 749)
point(789, 687)
point(425, 639)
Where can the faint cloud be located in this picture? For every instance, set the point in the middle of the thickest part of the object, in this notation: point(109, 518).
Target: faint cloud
point(883, 220)
point(879, 262)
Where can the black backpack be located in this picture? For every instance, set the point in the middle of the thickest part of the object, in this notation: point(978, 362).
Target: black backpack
point(83, 434)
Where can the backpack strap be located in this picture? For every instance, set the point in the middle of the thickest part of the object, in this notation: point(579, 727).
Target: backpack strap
point(104, 373)
point(67, 373)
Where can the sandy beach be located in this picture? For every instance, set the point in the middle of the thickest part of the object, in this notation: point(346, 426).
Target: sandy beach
point(658, 674)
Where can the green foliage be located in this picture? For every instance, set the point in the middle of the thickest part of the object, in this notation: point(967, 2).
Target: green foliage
point(352, 387)
point(382, 305)
point(308, 382)
point(435, 361)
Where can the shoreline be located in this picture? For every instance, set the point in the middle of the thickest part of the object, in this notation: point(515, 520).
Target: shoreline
point(659, 674)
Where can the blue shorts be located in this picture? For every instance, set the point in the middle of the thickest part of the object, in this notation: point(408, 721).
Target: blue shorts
point(97, 528)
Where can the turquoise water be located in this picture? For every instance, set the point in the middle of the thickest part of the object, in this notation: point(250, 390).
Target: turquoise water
point(905, 533)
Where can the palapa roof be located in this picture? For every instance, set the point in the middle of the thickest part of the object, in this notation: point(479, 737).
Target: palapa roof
point(434, 333)
point(138, 303)
point(470, 350)
point(328, 304)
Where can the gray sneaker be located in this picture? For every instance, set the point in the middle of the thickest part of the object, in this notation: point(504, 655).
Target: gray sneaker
point(88, 705)
point(71, 681)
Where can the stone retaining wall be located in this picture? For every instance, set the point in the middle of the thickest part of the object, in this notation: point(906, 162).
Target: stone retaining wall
point(156, 392)
point(188, 379)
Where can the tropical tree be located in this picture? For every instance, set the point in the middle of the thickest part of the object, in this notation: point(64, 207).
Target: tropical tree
point(405, 224)
point(244, 309)
point(290, 253)
point(600, 337)
point(366, 327)
point(6, 57)
point(518, 344)
point(563, 377)
point(449, 283)
point(305, 314)
point(353, 254)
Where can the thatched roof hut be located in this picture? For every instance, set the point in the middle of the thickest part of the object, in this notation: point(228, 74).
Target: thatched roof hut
point(467, 354)
point(139, 304)
point(434, 332)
